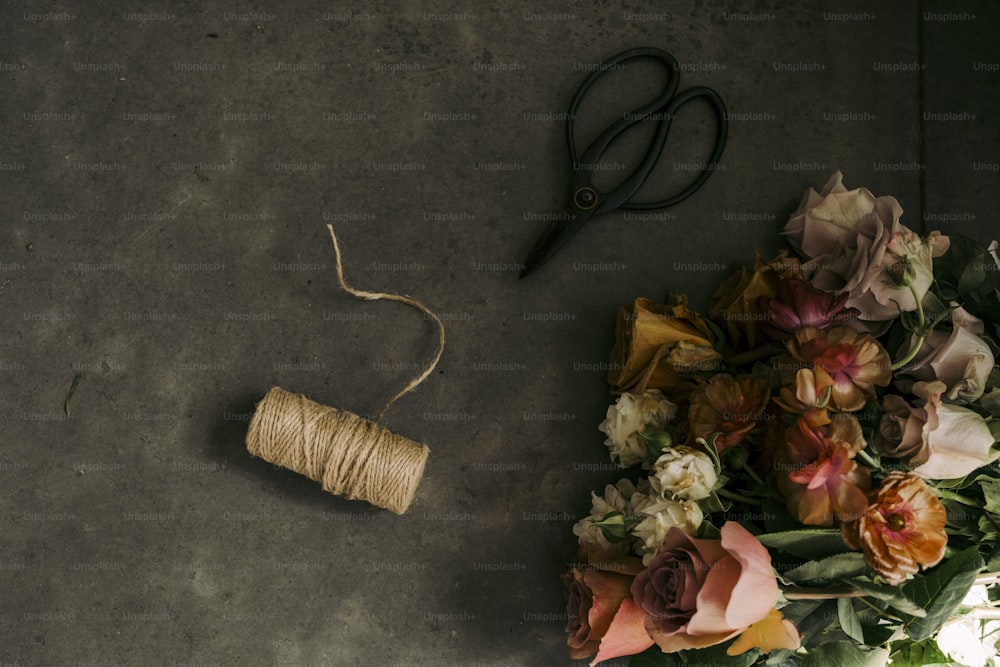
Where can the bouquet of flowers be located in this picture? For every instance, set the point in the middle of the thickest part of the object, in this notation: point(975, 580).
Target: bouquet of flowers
point(813, 466)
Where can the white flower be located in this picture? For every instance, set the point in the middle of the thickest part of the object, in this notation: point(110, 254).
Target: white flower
point(660, 515)
point(684, 472)
point(628, 417)
point(616, 498)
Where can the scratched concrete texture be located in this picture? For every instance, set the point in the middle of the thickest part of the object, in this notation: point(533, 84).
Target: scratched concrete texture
point(166, 174)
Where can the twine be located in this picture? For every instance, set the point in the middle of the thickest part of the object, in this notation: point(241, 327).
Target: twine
point(349, 455)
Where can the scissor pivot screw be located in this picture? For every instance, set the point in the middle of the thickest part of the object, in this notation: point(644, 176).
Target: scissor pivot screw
point(585, 198)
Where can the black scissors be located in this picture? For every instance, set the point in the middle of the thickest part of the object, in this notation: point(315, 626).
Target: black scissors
point(585, 199)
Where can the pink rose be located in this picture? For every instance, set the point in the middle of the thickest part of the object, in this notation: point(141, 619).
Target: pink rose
point(942, 441)
point(697, 593)
point(960, 359)
point(602, 619)
point(856, 245)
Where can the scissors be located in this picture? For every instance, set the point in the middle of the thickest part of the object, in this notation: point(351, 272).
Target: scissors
point(585, 199)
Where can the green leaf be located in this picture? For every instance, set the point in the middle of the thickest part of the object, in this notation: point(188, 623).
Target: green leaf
point(941, 591)
point(893, 595)
point(851, 564)
point(918, 654)
point(817, 622)
point(990, 401)
point(841, 653)
point(816, 543)
point(849, 621)
point(991, 492)
point(712, 504)
point(877, 635)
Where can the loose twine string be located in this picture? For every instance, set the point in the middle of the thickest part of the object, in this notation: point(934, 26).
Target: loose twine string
point(349, 455)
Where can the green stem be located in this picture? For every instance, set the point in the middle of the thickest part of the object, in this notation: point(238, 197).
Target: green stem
point(869, 460)
point(920, 339)
point(726, 493)
point(881, 612)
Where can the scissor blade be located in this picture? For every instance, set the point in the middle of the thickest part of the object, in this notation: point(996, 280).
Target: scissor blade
point(558, 233)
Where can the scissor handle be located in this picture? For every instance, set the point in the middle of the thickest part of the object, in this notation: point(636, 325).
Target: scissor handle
point(662, 109)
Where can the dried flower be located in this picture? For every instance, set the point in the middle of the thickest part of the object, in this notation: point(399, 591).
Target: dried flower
point(658, 516)
point(629, 417)
point(798, 304)
point(736, 302)
point(684, 473)
point(902, 530)
point(617, 498)
point(653, 343)
point(818, 474)
point(727, 405)
point(855, 362)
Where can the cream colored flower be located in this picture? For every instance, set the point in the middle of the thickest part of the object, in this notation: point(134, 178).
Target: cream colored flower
point(684, 473)
point(617, 498)
point(628, 417)
point(957, 440)
point(659, 515)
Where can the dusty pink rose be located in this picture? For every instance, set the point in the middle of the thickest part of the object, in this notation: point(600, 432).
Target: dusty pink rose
point(602, 620)
point(697, 593)
point(960, 359)
point(941, 441)
point(856, 245)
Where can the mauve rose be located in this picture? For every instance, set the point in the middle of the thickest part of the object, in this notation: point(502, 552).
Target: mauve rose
point(697, 593)
point(960, 359)
point(941, 441)
point(824, 216)
point(856, 245)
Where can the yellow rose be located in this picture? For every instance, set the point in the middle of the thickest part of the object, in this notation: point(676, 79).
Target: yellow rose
point(654, 343)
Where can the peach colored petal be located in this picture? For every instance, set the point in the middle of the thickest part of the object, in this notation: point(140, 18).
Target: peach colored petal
point(709, 550)
point(847, 396)
point(757, 589)
point(608, 591)
point(811, 507)
point(713, 598)
point(626, 635)
point(772, 632)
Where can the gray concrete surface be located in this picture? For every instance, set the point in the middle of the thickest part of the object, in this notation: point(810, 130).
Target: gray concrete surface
point(167, 172)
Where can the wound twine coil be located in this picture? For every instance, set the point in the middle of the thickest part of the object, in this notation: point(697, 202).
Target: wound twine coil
point(349, 455)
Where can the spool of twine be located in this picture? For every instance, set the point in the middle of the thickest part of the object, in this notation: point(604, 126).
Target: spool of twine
point(349, 455)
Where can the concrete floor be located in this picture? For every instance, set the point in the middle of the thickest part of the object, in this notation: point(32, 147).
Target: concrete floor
point(167, 172)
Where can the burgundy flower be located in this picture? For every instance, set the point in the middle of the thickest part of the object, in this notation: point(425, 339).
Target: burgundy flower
point(798, 304)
